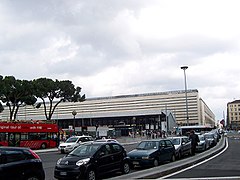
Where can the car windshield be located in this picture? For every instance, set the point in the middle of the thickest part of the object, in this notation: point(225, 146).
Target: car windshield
point(209, 136)
point(145, 145)
point(201, 138)
point(175, 141)
point(85, 150)
point(72, 139)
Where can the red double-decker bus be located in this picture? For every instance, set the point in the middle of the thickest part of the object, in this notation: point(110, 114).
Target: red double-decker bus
point(32, 135)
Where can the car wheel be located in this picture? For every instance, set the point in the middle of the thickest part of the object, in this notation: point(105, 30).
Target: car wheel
point(155, 162)
point(190, 152)
point(173, 158)
point(43, 146)
point(91, 175)
point(125, 168)
point(180, 155)
point(32, 178)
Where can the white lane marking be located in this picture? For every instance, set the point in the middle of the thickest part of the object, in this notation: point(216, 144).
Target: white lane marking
point(206, 160)
point(235, 177)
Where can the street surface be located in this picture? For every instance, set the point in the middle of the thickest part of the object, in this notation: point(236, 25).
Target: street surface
point(224, 166)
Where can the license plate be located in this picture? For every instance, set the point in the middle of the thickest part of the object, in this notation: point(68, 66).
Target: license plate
point(63, 173)
point(135, 163)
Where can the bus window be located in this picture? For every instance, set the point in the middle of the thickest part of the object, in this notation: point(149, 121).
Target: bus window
point(3, 136)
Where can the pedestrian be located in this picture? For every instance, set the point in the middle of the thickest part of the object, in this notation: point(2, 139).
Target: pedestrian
point(194, 141)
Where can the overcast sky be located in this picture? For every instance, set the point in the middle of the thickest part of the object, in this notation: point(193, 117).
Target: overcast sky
point(123, 47)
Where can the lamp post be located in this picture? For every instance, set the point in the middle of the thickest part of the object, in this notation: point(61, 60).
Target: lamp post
point(185, 81)
point(74, 113)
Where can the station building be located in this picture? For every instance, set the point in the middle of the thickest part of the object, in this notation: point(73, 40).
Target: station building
point(124, 113)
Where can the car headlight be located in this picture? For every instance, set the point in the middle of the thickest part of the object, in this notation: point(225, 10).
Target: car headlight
point(58, 162)
point(146, 157)
point(82, 161)
point(69, 146)
point(177, 149)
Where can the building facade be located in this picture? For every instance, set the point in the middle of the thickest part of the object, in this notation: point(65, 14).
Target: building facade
point(233, 114)
point(141, 111)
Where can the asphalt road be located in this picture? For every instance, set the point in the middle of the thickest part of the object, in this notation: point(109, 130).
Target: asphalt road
point(223, 166)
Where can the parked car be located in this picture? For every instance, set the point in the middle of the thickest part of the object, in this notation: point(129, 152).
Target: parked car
point(217, 135)
point(182, 146)
point(72, 143)
point(91, 160)
point(107, 140)
point(152, 152)
point(210, 137)
point(204, 143)
point(20, 163)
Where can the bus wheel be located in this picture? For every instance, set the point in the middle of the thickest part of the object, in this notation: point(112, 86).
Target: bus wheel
point(43, 146)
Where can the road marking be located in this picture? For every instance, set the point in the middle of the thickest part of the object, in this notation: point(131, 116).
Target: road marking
point(209, 178)
point(206, 160)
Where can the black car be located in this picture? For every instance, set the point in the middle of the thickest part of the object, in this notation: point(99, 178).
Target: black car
point(20, 163)
point(91, 160)
point(152, 152)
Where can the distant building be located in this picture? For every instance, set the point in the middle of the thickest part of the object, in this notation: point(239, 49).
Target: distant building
point(233, 114)
point(139, 111)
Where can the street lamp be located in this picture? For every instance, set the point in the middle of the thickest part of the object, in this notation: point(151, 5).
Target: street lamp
point(74, 113)
point(185, 80)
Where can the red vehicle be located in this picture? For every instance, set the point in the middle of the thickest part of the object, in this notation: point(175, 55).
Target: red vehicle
point(32, 135)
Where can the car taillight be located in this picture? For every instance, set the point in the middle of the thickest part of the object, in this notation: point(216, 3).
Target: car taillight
point(34, 154)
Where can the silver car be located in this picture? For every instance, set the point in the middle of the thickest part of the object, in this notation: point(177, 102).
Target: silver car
point(182, 146)
point(204, 143)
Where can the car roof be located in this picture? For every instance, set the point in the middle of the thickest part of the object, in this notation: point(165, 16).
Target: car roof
point(14, 148)
point(177, 137)
point(100, 142)
point(80, 136)
point(150, 140)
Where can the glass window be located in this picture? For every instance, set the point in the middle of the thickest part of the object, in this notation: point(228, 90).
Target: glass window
point(3, 136)
point(14, 155)
point(116, 148)
point(176, 141)
point(168, 143)
point(162, 144)
point(24, 136)
point(106, 150)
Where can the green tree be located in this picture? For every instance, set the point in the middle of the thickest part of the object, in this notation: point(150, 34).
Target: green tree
point(52, 93)
point(16, 93)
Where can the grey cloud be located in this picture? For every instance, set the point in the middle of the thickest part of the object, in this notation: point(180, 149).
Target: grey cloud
point(187, 45)
point(71, 11)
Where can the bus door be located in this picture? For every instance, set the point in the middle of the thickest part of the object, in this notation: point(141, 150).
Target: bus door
point(14, 139)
